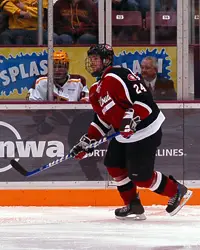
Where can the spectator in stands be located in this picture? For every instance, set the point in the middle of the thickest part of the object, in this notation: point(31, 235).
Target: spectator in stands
point(160, 5)
point(23, 24)
point(67, 87)
point(3, 22)
point(161, 88)
point(125, 5)
point(76, 21)
point(134, 4)
point(125, 34)
point(167, 5)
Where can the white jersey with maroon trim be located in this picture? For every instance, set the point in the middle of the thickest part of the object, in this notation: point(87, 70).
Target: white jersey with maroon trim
point(118, 90)
point(73, 90)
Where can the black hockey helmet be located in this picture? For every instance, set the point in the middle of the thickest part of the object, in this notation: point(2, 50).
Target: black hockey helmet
point(106, 54)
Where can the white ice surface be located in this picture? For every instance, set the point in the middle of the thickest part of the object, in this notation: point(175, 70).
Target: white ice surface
point(63, 228)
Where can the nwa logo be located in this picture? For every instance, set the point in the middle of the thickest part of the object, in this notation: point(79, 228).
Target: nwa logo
point(104, 100)
point(18, 148)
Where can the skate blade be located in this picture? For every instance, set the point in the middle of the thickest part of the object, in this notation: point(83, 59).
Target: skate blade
point(185, 198)
point(132, 217)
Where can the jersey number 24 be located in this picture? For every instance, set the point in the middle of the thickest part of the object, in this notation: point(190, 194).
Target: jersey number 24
point(139, 88)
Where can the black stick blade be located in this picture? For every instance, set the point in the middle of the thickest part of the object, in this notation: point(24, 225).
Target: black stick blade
point(18, 167)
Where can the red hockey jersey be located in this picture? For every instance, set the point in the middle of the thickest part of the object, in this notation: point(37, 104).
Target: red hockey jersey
point(120, 89)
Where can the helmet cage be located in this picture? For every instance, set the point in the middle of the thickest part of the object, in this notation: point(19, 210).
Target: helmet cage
point(105, 52)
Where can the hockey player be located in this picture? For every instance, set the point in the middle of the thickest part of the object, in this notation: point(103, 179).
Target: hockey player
point(122, 102)
point(67, 87)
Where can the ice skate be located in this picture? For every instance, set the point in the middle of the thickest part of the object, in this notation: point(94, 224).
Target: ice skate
point(176, 202)
point(134, 209)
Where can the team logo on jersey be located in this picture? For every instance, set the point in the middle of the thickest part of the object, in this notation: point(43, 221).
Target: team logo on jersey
point(131, 77)
point(104, 100)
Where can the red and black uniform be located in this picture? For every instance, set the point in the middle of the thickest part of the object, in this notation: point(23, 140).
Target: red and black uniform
point(129, 161)
point(118, 90)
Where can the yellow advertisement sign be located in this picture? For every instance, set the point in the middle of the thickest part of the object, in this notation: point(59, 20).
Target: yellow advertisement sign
point(20, 67)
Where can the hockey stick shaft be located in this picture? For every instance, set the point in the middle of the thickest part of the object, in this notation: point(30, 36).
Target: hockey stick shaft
point(22, 171)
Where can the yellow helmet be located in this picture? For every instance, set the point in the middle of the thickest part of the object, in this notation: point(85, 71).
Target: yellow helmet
point(60, 57)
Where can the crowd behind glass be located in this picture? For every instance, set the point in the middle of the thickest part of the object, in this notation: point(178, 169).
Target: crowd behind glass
point(76, 23)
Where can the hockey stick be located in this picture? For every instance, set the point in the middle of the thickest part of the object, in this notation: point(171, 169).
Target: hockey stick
point(26, 173)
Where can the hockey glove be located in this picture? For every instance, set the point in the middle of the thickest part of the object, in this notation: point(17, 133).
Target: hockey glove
point(128, 124)
point(80, 149)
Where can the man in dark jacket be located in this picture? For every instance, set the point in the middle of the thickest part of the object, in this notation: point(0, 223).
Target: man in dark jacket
point(161, 88)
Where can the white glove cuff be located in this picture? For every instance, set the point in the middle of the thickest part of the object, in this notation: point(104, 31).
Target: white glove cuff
point(129, 114)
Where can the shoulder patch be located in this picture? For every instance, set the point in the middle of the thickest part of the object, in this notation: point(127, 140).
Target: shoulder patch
point(131, 77)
